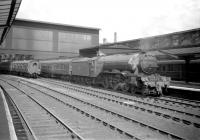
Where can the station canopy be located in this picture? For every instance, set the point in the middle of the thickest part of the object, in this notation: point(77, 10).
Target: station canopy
point(8, 12)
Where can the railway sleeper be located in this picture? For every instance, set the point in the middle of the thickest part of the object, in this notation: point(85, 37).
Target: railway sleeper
point(122, 116)
point(156, 113)
point(97, 119)
point(142, 109)
point(159, 114)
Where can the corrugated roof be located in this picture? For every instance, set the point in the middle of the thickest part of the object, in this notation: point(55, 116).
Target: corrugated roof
point(8, 12)
point(184, 51)
point(55, 23)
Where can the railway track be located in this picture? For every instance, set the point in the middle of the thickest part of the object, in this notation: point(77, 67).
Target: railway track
point(149, 123)
point(88, 126)
point(163, 100)
point(181, 117)
point(184, 102)
point(41, 123)
point(20, 126)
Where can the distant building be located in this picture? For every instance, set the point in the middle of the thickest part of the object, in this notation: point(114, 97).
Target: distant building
point(104, 40)
point(184, 44)
point(43, 40)
point(115, 37)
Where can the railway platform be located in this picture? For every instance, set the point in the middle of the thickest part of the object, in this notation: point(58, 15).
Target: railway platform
point(7, 131)
point(185, 90)
point(185, 86)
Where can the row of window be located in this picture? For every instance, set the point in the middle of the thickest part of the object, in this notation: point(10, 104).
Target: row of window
point(45, 68)
point(60, 66)
point(71, 37)
point(56, 67)
point(20, 66)
point(32, 34)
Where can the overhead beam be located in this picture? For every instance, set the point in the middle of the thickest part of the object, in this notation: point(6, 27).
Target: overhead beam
point(5, 31)
point(3, 26)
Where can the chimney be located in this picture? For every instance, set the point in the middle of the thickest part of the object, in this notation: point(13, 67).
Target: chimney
point(104, 40)
point(115, 37)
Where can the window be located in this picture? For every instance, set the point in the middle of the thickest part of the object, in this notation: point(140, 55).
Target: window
point(73, 37)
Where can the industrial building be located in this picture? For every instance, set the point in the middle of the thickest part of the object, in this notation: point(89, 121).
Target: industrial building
point(28, 39)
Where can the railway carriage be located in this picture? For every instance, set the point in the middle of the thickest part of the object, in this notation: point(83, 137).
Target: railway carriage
point(29, 68)
point(5, 67)
point(56, 68)
point(47, 67)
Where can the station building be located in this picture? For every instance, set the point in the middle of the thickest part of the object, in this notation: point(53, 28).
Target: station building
point(28, 39)
point(185, 44)
point(178, 53)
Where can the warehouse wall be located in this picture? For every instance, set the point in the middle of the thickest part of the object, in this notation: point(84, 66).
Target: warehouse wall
point(48, 41)
point(32, 39)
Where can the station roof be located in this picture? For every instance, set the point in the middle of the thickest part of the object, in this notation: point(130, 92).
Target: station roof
point(168, 41)
point(182, 44)
point(8, 12)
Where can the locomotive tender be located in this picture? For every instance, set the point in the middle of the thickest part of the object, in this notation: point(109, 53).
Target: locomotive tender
point(29, 68)
point(126, 72)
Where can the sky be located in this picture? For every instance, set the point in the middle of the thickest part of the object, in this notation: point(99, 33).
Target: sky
point(131, 19)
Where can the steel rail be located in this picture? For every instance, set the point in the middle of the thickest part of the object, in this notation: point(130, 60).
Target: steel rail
point(20, 113)
point(157, 113)
point(120, 97)
point(106, 110)
point(182, 100)
point(56, 118)
point(157, 99)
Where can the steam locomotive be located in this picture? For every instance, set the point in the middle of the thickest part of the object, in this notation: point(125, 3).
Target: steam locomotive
point(28, 68)
point(126, 72)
